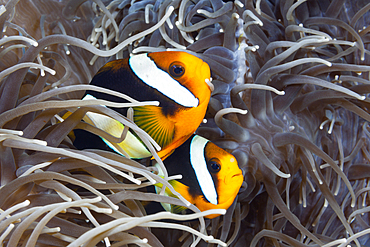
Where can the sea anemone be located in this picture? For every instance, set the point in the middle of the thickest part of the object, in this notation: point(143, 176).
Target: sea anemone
point(291, 81)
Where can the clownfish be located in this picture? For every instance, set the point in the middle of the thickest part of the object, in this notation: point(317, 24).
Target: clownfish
point(178, 80)
point(211, 177)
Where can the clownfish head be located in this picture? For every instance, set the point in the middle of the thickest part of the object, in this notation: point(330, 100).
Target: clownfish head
point(211, 178)
point(185, 78)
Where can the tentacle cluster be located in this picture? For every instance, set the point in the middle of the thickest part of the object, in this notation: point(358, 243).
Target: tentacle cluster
point(291, 82)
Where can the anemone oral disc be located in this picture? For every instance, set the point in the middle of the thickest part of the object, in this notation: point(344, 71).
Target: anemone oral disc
point(150, 74)
point(199, 165)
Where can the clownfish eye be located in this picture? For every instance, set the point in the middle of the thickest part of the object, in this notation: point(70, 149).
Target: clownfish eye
point(214, 166)
point(176, 69)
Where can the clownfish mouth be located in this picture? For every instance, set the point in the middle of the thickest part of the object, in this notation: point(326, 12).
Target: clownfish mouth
point(228, 179)
point(236, 175)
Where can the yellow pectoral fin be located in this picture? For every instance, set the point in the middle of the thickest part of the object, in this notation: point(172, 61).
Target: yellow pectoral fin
point(183, 190)
point(169, 207)
point(157, 125)
point(179, 187)
point(176, 185)
point(177, 209)
point(158, 188)
point(131, 146)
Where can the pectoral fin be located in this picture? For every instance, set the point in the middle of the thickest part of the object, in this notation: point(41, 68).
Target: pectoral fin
point(176, 209)
point(170, 207)
point(178, 186)
point(155, 123)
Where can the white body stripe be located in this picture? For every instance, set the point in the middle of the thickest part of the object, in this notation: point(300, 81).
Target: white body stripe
point(199, 165)
point(156, 78)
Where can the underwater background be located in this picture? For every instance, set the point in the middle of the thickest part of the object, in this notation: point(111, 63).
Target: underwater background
point(299, 68)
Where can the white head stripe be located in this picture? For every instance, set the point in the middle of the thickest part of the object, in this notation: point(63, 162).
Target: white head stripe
point(150, 74)
point(199, 165)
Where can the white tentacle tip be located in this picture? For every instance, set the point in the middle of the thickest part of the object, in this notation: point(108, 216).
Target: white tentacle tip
point(25, 203)
point(238, 3)
point(223, 211)
point(2, 9)
point(35, 44)
point(235, 16)
point(209, 83)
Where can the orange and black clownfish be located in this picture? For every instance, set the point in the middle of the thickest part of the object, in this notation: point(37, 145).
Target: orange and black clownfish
point(177, 80)
point(211, 177)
